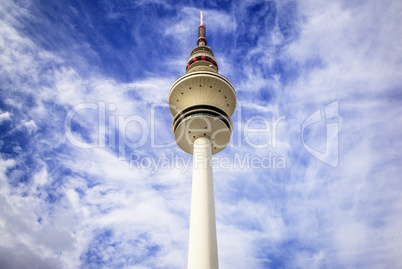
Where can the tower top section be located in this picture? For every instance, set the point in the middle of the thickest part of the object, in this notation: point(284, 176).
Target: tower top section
point(202, 39)
point(202, 57)
point(202, 101)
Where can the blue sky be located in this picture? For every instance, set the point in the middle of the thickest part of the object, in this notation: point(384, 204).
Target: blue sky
point(90, 176)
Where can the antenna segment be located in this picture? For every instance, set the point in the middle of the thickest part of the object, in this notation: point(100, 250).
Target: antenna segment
point(202, 40)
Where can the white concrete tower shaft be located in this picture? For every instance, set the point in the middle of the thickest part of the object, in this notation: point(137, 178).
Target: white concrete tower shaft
point(203, 249)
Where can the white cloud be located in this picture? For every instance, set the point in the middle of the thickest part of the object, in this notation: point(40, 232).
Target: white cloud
point(30, 126)
point(5, 116)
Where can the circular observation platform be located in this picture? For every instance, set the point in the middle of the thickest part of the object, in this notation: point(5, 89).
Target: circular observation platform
point(202, 103)
point(202, 88)
point(202, 121)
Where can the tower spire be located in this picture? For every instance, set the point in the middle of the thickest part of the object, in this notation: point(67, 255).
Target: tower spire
point(202, 40)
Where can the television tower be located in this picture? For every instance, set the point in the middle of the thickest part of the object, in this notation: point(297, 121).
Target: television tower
point(202, 102)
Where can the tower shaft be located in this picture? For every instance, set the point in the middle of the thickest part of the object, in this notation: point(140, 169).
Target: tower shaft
point(203, 250)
